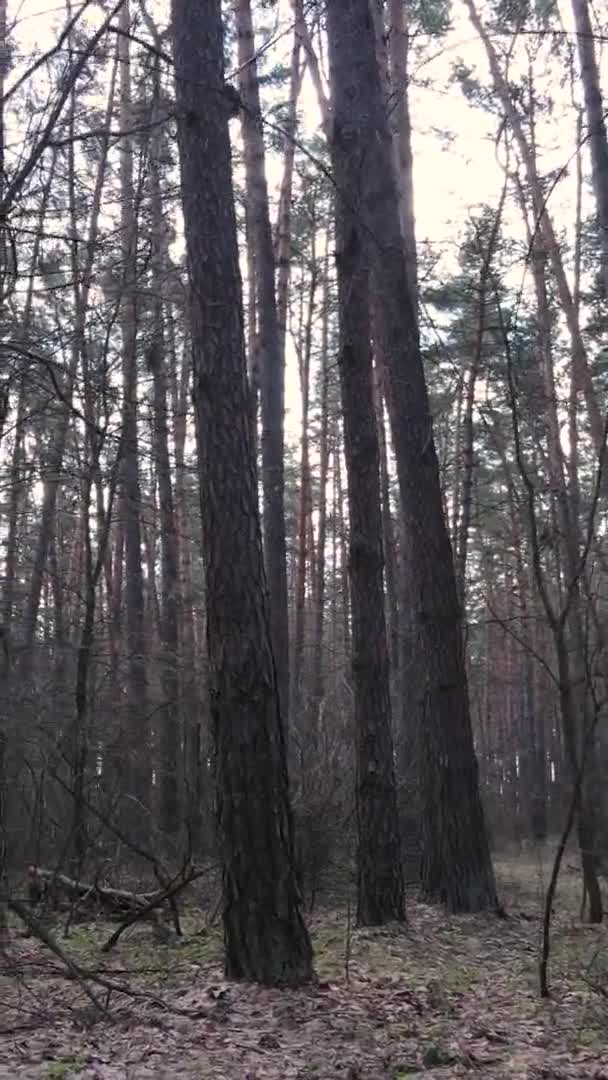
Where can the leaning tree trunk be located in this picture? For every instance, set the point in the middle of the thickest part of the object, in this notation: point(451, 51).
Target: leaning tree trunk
point(456, 863)
point(272, 375)
point(265, 936)
point(380, 882)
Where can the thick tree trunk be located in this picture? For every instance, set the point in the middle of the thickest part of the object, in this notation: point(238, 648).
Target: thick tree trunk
point(265, 936)
point(456, 865)
point(272, 374)
point(380, 882)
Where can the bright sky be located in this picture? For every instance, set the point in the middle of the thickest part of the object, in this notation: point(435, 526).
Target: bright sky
point(450, 177)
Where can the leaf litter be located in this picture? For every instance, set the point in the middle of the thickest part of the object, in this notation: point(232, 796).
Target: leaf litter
point(443, 997)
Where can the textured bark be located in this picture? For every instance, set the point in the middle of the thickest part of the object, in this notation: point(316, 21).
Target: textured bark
point(136, 737)
point(380, 883)
point(456, 865)
point(596, 122)
point(272, 373)
point(265, 936)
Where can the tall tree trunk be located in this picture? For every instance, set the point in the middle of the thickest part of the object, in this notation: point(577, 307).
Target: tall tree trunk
point(305, 553)
point(380, 884)
point(316, 676)
point(272, 374)
point(265, 936)
point(157, 361)
point(4, 638)
point(456, 866)
point(596, 123)
point(192, 695)
point(136, 737)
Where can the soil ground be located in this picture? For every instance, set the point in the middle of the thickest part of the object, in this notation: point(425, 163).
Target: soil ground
point(446, 997)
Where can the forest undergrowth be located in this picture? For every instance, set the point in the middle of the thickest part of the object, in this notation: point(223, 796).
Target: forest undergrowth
point(445, 997)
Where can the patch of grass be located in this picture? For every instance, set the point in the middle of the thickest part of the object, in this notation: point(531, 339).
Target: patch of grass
point(138, 947)
point(329, 943)
point(64, 1068)
point(459, 980)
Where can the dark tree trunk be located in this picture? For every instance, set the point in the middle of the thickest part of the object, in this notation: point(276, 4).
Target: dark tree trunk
point(380, 881)
point(265, 936)
point(136, 735)
point(272, 376)
point(456, 861)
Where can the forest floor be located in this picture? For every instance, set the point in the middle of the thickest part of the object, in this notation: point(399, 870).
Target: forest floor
point(446, 997)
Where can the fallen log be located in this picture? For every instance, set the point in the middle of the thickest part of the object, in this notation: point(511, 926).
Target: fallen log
point(48, 888)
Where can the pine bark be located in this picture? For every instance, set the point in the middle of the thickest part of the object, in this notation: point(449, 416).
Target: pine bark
point(380, 882)
point(136, 735)
point(456, 863)
point(272, 375)
point(265, 936)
